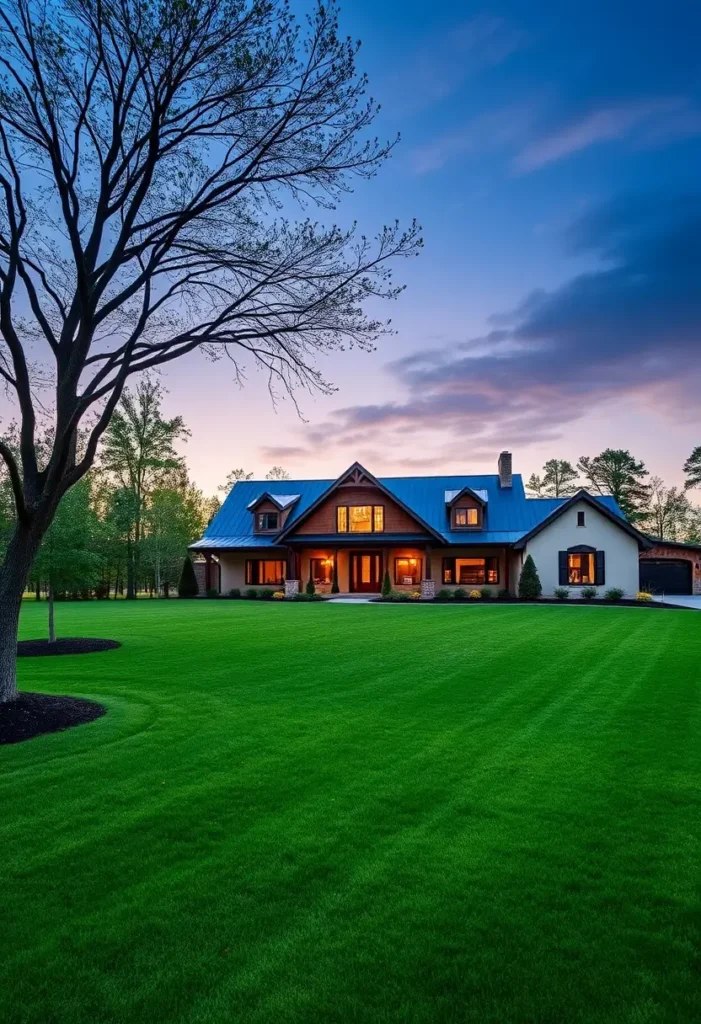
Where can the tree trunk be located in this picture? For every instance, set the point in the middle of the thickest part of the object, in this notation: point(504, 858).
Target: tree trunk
point(52, 629)
point(13, 579)
point(131, 572)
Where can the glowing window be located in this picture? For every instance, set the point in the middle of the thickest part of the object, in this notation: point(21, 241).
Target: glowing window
point(321, 570)
point(581, 567)
point(407, 571)
point(466, 517)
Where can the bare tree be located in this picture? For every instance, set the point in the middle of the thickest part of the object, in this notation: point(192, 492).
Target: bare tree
point(233, 478)
point(277, 473)
point(669, 512)
point(150, 158)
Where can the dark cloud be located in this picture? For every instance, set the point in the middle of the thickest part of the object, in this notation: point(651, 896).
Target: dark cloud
point(629, 329)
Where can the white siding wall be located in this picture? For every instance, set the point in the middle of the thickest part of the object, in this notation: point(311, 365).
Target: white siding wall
point(233, 570)
point(600, 533)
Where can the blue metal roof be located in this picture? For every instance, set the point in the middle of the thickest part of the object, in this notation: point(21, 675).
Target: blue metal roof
point(249, 540)
point(509, 513)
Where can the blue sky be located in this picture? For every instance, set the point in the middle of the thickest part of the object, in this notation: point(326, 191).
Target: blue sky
point(551, 152)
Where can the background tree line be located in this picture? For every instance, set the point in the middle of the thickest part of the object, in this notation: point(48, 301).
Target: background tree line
point(125, 527)
point(665, 512)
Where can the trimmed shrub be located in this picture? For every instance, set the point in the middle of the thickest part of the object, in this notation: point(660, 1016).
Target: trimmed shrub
point(485, 593)
point(561, 593)
point(614, 594)
point(187, 587)
point(279, 595)
point(415, 595)
point(251, 594)
point(307, 597)
point(235, 593)
point(386, 584)
point(529, 585)
point(589, 593)
point(335, 589)
point(310, 588)
point(212, 593)
point(266, 595)
point(475, 595)
point(503, 594)
point(444, 595)
point(460, 594)
point(643, 595)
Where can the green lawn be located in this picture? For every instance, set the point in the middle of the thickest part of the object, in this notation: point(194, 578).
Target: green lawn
point(369, 814)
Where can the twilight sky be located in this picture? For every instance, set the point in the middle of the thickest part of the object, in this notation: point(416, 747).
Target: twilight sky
point(551, 152)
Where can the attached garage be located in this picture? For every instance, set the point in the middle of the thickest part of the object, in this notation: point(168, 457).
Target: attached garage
point(666, 575)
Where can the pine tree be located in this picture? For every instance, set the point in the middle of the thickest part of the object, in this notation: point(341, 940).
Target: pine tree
point(616, 472)
point(692, 469)
point(187, 587)
point(335, 589)
point(560, 479)
point(386, 584)
point(529, 585)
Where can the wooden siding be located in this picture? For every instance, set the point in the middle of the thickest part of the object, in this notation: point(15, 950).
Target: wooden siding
point(323, 519)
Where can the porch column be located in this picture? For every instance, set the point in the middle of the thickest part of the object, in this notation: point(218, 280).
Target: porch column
point(292, 575)
point(207, 572)
point(428, 587)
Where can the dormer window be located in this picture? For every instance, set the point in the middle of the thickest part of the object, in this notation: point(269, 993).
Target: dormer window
point(267, 522)
point(465, 517)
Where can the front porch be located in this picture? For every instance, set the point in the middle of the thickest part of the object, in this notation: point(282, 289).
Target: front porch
point(359, 569)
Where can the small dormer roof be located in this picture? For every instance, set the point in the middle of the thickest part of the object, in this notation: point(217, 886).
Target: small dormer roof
point(481, 495)
point(281, 501)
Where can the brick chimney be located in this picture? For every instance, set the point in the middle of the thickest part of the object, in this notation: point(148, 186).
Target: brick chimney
point(505, 469)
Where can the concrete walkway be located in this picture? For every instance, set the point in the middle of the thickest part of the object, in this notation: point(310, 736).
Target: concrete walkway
point(685, 600)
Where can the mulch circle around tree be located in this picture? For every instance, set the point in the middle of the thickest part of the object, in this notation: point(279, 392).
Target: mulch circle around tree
point(33, 714)
point(66, 645)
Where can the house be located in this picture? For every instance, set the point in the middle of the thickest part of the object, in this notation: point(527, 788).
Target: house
point(429, 532)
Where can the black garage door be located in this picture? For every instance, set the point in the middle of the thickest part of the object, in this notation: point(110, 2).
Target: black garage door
point(664, 575)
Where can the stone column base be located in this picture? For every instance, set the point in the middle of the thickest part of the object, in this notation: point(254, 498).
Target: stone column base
point(291, 588)
point(428, 590)
point(200, 575)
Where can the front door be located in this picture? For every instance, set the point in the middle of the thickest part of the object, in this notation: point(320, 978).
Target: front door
point(365, 572)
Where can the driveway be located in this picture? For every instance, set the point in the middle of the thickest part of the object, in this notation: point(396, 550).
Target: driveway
point(686, 600)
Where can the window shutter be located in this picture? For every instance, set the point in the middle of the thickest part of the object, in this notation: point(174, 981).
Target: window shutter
point(562, 561)
point(600, 568)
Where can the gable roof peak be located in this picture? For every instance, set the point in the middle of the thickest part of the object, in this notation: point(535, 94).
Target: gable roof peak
point(359, 475)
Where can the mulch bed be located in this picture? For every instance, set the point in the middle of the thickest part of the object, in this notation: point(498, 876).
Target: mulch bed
point(66, 645)
point(33, 714)
point(575, 602)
